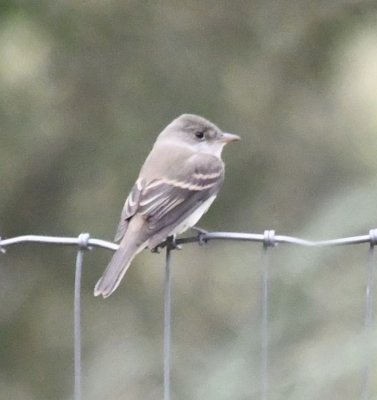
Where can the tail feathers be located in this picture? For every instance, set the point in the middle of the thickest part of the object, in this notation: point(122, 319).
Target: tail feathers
point(116, 269)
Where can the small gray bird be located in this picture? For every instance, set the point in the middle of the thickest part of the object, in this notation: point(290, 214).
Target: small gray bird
point(177, 184)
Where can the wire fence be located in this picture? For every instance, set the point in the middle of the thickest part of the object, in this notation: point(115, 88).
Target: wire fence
point(268, 240)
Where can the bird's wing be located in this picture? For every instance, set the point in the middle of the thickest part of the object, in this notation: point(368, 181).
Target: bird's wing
point(130, 208)
point(167, 201)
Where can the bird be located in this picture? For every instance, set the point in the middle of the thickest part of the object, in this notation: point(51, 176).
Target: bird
point(177, 183)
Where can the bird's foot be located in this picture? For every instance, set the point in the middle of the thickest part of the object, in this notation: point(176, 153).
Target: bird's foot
point(201, 235)
point(157, 249)
point(171, 242)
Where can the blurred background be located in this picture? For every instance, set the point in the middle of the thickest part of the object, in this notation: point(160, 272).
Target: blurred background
point(85, 87)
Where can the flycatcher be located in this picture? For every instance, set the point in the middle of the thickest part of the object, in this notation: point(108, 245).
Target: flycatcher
point(177, 184)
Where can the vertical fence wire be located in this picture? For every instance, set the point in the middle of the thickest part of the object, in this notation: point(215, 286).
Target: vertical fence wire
point(167, 323)
point(77, 325)
point(264, 324)
point(83, 241)
point(368, 322)
point(264, 368)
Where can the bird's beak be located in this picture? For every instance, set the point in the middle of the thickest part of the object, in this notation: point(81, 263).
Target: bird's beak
point(229, 137)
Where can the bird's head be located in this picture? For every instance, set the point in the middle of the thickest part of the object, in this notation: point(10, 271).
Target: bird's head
point(197, 133)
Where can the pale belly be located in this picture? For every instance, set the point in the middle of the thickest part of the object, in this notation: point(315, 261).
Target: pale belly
point(194, 217)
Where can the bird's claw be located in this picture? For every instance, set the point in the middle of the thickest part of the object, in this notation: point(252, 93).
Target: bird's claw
point(172, 243)
point(201, 235)
point(156, 250)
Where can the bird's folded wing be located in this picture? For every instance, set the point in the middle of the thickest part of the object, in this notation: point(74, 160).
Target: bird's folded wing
point(168, 200)
point(129, 209)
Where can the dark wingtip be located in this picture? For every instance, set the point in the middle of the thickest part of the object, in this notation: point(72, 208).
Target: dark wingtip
point(97, 289)
point(100, 291)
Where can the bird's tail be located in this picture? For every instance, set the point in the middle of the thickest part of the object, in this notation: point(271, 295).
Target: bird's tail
point(117, 267)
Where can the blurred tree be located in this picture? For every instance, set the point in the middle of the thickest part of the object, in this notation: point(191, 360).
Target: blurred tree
point(85, 88)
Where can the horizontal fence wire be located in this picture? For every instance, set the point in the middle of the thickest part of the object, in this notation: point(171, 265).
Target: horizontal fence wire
point(201, 237)
point(268, 239)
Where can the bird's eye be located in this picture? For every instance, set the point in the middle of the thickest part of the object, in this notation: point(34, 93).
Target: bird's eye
point(199, 135)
